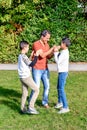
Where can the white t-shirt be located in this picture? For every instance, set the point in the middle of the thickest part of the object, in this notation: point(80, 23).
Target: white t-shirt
point(62, 60)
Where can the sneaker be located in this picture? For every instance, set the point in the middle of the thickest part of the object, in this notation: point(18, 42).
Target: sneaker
point(64, 110)
point(32, 111)
point(58, 105)
point(24, 111)
point(46, 106)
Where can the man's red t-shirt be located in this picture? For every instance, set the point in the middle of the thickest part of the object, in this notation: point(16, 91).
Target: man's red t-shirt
point(41, 62)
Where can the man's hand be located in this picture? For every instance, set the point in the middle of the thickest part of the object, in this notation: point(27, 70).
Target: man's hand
point(56, 48)
point(38, 52)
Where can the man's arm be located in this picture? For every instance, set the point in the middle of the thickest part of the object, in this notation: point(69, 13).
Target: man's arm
point(48, 53)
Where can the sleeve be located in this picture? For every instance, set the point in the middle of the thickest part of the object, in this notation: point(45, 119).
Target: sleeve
point(56, 56)
point(28, 62)
point(35, 47)
point(34, 61)
point(59, 57)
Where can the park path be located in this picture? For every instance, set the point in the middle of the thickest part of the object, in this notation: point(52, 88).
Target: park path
point(52, 67)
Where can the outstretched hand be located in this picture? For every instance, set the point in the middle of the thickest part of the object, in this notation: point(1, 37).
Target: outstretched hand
point(56, 48)
point(38, 52)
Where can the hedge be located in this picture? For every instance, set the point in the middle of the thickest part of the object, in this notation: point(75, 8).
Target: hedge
point(24, 20)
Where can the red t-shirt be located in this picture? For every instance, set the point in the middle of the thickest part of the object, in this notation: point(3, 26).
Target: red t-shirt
point(41, 62)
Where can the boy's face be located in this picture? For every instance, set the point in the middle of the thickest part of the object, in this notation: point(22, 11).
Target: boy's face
point(63, 46)
point(26, 48)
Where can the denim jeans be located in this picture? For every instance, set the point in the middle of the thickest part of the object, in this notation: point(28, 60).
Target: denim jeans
point(42, 75)
point(61, 89)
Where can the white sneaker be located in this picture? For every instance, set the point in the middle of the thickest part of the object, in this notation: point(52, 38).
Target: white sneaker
point(58, 105)
point(32, 111)
point(64, 110)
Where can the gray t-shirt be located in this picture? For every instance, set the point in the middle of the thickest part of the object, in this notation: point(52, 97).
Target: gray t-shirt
point(23, 66)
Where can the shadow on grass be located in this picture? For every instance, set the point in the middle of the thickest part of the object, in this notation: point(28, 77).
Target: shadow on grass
point(39, 103)
point(11, 104)
point(10, 98)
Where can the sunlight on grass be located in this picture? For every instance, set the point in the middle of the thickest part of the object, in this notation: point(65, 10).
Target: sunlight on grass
point(48, 119)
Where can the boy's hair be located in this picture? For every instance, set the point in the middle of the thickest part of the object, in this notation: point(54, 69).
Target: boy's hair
point(66, 41)
point(23, 44)
point(44, 33)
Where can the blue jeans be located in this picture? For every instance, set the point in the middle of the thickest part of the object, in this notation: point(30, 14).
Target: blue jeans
point(42, 75)
point(61, 89)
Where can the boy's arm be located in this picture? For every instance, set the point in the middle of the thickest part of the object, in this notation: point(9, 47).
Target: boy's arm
point(33, 62)
point(56, 56)
point(59, 57)
point(56, 53)
point(28, 62)
point(35, 58)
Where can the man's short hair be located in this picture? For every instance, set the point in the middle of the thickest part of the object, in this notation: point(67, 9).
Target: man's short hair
point(66, 41)
point(23, 44)
point(44, 33)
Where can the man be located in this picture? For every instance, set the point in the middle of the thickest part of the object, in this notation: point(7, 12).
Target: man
point(40, 69)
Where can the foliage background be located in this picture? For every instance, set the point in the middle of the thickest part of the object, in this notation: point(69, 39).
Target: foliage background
point(25, 19)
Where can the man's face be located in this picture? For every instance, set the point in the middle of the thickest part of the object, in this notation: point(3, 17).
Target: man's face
point(46, 38)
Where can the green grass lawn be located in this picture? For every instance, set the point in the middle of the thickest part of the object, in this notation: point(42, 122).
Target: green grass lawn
point(48, 119)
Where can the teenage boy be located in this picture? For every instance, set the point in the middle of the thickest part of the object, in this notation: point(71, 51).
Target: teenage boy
point(62, 60)
point(24, 64)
